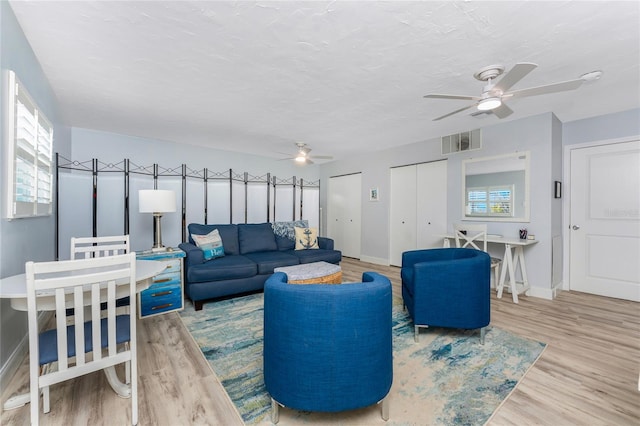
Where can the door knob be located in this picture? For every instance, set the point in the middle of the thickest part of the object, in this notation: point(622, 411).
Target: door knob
point(575, 227)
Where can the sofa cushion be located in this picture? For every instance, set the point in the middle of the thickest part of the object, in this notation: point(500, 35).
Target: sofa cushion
point(228, 233)
point(285, 243)
point(223, 268)
point(309, 256)
point(306, 238)
point(210, 244)
point(256, 237)
point(268, 260)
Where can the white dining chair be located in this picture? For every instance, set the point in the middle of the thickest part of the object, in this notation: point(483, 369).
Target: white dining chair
point(86, 247)
point(76, 284)
point(475, 236)
point(90, 247)
point(113, 245)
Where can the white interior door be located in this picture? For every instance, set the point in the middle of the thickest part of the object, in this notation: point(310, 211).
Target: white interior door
point(344, 213)
point(605, 220)
point(431, 199)
point(402, 215)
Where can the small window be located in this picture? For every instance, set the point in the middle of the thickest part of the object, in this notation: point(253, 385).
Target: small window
point(490, 201)
point(29, 153)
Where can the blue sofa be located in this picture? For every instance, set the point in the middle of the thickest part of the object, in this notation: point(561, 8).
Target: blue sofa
point(328, 347)
point(251, 252)
point(447, 287)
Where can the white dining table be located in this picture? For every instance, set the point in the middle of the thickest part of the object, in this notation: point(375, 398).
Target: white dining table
point(15, 288)
point(513, 259)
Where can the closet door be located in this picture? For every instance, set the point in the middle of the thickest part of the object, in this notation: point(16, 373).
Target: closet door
point(402, 213)
point(344, 213)
point(431, 198)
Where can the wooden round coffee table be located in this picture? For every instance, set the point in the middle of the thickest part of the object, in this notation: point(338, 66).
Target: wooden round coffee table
point(312, 273)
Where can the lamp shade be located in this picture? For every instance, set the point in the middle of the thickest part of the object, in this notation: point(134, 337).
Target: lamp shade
point(156, 201)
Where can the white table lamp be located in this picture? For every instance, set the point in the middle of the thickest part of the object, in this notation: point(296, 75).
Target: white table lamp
point(157, 201)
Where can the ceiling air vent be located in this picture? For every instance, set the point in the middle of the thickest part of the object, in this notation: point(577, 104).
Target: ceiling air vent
point(464, 141)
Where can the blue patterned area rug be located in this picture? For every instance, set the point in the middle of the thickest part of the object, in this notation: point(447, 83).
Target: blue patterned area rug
point(447, 378)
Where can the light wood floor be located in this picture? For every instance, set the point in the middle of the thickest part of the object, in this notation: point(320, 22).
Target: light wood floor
point(588, 375)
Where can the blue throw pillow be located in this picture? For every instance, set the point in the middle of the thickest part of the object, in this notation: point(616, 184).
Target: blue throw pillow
point(210, 244)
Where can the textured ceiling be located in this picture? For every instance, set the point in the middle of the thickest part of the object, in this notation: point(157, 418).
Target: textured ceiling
point(341, 76)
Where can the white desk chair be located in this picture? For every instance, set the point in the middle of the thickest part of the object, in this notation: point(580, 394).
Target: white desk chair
point(475, 234)
point(76, 284)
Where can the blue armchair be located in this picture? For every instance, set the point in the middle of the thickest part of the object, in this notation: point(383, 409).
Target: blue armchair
point(448, 287)
point(328, 347)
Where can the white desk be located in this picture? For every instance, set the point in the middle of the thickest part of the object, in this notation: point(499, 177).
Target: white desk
point(15, 288)
point(513, 258)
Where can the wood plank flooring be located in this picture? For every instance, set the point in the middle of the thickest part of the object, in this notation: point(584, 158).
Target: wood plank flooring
point(588, 375)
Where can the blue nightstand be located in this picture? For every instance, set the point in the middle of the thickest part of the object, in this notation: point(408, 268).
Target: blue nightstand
point(166, 293)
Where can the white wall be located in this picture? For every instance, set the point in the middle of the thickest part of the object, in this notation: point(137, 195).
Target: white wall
point(110, 148)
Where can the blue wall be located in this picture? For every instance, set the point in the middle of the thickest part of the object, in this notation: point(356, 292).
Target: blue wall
point(23, 239)
point(605, 127)
point(543, 135)
point(534, 134)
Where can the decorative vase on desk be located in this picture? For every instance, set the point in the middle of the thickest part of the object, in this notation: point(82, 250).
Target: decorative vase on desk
point(523, 234)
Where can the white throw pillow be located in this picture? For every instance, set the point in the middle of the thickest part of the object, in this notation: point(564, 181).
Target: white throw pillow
point(306, 238)
point(210, 244)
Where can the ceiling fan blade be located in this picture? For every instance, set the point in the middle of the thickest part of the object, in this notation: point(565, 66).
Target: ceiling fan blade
point(502, 111)
point(323, 157)
point(454, 112)
point(517, 73)
point(308, 161)
point(543, 90)
point(460, 97)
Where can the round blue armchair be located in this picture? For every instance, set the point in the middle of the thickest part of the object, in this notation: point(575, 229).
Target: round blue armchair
point(328, 347)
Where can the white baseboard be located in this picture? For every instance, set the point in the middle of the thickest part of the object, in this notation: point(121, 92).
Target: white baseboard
point(13, 362)
point(8, 370)
point(375, 260)
point(543, 293)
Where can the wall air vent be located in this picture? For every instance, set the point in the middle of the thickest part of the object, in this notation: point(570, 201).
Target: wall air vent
point(464, 141)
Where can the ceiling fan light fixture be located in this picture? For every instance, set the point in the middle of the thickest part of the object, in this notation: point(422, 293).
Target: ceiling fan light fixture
point(489, 104)
point(300, 158)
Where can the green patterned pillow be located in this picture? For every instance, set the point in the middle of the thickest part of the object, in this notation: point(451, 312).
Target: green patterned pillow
point(210, 244)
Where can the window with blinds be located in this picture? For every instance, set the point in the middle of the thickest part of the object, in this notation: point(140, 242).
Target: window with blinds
point(490, 201)
point(29, 150)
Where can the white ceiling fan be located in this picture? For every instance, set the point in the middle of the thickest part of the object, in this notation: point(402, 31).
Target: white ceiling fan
point(302, 156)
point(494, 94)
